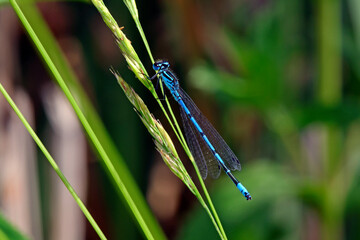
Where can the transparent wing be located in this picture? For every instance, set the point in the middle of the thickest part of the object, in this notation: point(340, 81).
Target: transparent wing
point(229, 158)
point(193, 144)
point(205, 160)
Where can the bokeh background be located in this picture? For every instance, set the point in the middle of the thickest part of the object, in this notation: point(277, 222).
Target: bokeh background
point(279, 79)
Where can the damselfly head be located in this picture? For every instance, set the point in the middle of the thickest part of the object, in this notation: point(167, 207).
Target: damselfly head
point(161, 65)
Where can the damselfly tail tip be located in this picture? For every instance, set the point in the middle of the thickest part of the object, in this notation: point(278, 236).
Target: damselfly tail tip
point(243, 190)
point(247, 196)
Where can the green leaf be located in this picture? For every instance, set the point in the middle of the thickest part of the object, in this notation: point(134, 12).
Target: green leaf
point(9, 232)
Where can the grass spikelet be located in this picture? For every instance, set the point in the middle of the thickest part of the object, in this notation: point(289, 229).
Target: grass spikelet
point(163, 142)
point(124, 43)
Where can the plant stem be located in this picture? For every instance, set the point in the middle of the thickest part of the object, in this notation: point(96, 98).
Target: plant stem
point(329, 95)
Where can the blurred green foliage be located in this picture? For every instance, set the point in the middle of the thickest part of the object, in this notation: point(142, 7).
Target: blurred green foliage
point(9, 232)
point(293, 65)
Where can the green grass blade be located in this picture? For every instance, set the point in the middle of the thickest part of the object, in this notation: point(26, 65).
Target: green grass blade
point(111, 159)
point(9, 232)
point(53, 163)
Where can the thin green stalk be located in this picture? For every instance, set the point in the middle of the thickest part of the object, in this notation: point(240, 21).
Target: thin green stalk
point(213, 214)
point(330, 84)
point(329, 94)
point(53, 163)
point(329, 28)
point(192, 160)
point(215, 218)
point(131, 5)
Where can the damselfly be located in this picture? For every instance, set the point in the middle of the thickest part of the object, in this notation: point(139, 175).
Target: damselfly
point(206, 145)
